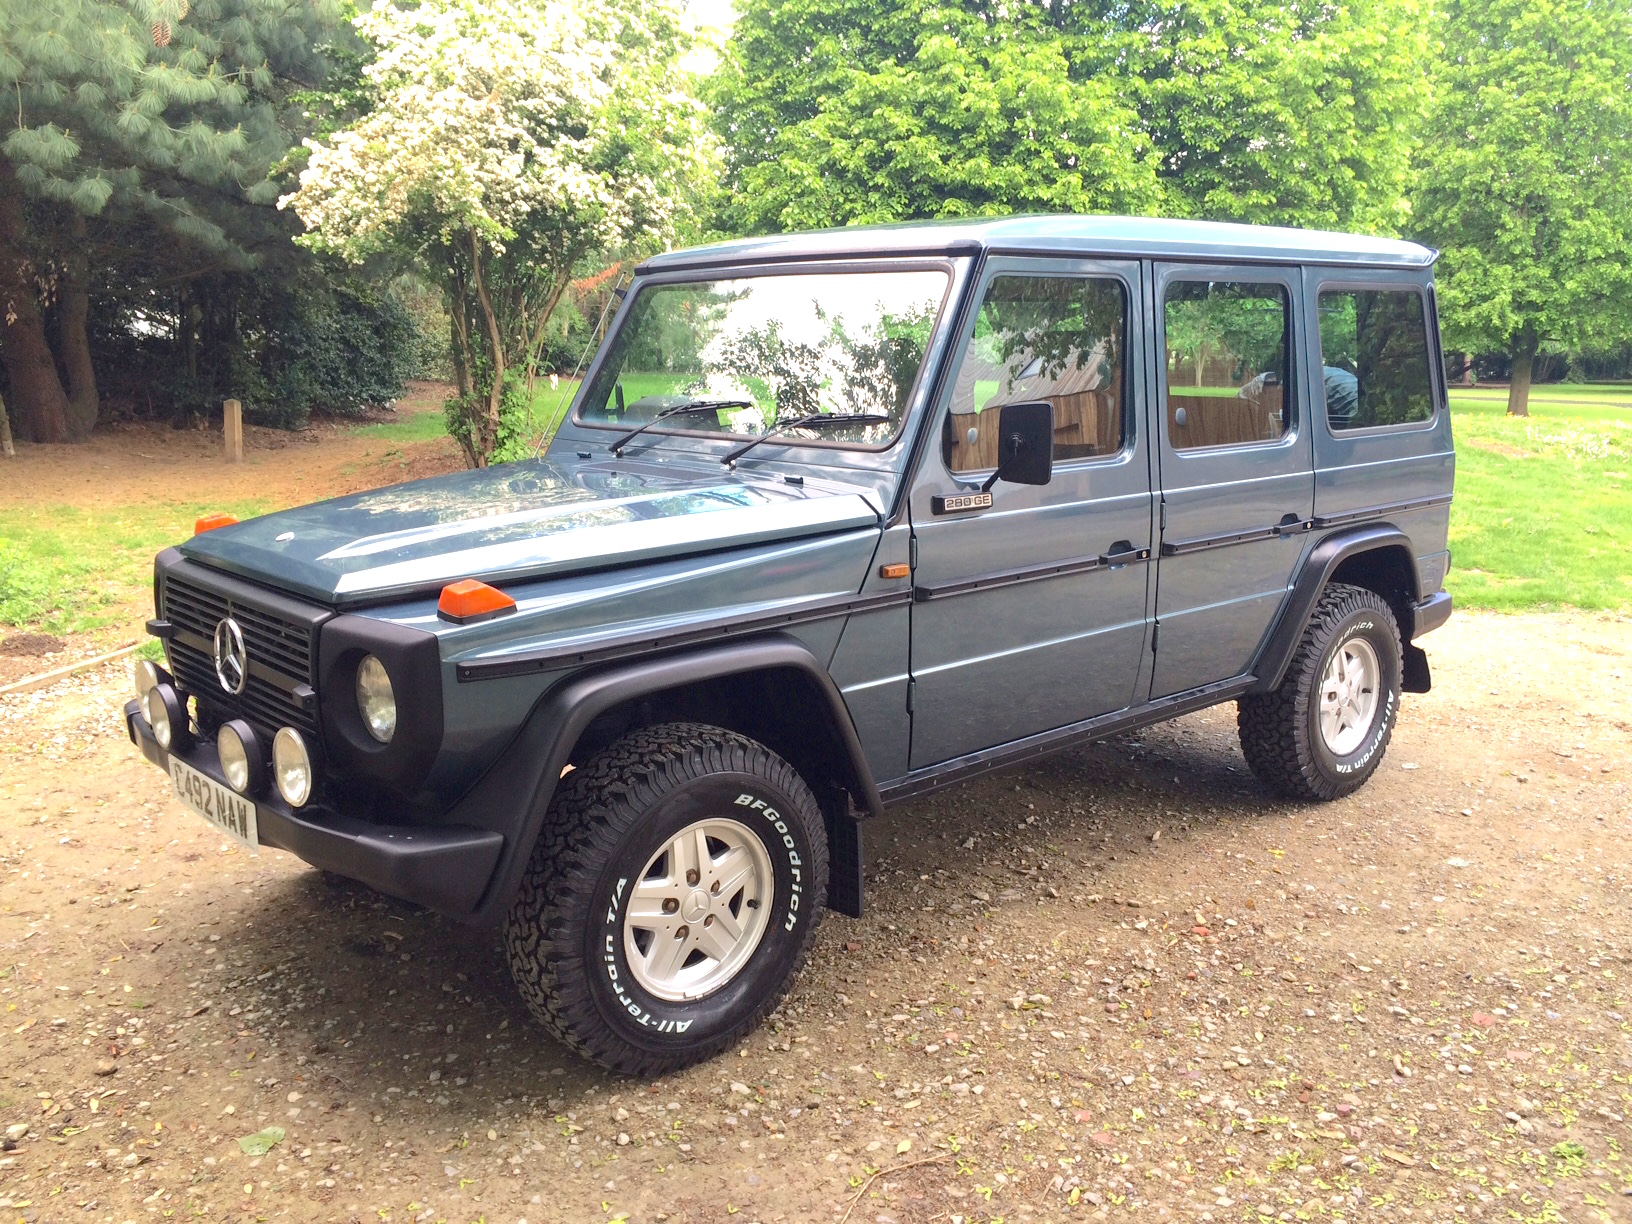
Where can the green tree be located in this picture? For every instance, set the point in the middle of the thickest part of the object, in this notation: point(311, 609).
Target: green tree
point(840, 111)
point(1526, 178)
point(144, 129)
point(507, 141)
point(849, 111)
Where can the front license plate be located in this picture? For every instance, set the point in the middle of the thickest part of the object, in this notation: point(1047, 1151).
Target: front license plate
point(225, 809)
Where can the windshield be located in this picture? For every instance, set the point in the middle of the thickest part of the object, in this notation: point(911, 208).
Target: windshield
point(761, 350)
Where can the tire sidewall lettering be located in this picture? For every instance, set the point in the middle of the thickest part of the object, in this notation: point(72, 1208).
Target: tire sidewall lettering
point(1366, 625)
point(760, 809)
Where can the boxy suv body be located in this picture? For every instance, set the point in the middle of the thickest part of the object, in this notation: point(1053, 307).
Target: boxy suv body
point(835, 520)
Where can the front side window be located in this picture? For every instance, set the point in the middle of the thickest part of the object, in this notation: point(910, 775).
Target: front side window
point(1054, 338)
point(1227, 378)
point(768, 350)
point(1374, 358)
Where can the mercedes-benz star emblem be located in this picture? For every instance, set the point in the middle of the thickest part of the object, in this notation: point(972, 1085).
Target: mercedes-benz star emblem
point(231, 658)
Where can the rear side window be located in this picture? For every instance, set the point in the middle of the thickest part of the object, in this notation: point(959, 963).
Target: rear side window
point(1226, 363)
point(1374, 354)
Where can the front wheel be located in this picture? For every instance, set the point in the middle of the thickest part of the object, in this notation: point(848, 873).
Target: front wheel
point(671, 898)
point(1322, 733)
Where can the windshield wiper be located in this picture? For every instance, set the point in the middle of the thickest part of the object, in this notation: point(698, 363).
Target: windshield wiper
point(815, 420)
point(712, 405)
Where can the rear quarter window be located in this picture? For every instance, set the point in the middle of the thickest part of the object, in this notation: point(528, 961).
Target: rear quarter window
point(1374, 355)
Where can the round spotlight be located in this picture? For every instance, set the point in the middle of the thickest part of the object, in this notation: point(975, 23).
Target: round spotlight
point(243, 761)
point(166, 715)
point(375, 700)
point(146, 676)
point(291, 767)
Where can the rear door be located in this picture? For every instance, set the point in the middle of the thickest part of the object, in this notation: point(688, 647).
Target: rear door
point(1236, 465)
point(1029, 610)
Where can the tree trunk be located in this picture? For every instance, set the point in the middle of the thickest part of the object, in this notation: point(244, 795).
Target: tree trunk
point(487, 439)
point(1524, 361)
point(6, 448)
point(38, 399)
point(84, 404)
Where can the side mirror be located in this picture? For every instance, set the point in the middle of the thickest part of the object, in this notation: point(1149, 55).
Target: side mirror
point(1025, 447)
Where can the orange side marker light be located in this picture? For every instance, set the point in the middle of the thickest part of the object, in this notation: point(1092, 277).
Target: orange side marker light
point(899, 569)
point(210, 522)
point(468, 600)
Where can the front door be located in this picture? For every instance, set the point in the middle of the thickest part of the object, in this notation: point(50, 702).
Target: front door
point(1030, 613)
point(1236, 466)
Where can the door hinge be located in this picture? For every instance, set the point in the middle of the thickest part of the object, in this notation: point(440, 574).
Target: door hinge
point(1155, 632)
point(1163, 507)
point(912, 551)
point(912, 689)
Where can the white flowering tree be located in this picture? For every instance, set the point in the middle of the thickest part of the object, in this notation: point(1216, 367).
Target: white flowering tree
point(508, 140)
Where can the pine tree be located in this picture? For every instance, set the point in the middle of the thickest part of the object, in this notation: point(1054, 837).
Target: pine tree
point(144, 122)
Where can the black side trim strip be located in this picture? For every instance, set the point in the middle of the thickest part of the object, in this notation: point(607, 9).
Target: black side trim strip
point(1371, 512)
point(1034, 573)
point(935, 777)
point(1178, 548)
point(724, 629)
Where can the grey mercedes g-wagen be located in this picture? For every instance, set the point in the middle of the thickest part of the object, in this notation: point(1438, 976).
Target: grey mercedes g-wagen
point(835, 520)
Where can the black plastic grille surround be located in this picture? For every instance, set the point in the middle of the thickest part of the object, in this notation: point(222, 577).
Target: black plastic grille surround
point(281, 691)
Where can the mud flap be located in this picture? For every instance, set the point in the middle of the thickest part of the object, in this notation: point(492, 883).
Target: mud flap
point(844, 881)
point(1415, 678)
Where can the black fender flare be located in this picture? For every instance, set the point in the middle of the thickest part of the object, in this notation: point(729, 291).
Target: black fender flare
point(524, 778)
point(1318, 567)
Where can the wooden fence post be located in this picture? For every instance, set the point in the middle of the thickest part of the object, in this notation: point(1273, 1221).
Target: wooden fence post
point(233, 426)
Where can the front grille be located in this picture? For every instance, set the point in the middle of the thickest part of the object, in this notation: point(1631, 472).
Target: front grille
point(281, 677)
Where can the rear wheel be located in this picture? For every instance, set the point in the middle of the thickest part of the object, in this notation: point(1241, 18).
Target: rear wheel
point(1323, 732)
point(671, 897)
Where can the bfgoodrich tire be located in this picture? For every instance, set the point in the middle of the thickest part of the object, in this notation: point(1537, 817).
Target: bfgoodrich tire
point(671, 898)
point(1323, 732)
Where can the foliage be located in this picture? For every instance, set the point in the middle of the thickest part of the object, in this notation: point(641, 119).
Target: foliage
point(844, 111)
point(1524, 177)
point(507, 141)
point(144, 135)
point(847, 111)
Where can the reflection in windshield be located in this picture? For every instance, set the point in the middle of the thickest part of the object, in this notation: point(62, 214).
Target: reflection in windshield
point(785, 346)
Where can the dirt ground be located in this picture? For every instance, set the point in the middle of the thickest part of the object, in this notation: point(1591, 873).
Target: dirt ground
point(1120, 984)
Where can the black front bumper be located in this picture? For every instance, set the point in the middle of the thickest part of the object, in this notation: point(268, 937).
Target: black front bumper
point(446, 868)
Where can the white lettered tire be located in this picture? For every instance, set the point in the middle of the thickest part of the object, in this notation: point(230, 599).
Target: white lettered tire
point(1322, 733)
point(671, 897)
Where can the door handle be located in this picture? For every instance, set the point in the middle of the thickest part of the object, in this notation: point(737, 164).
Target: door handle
point(1121, 553)
point(1292, 524)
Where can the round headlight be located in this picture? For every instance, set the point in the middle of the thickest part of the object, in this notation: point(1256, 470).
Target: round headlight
point(158, 717)
point(242, 762)
point(146, 677)
point(291, 767)
point(375, 700)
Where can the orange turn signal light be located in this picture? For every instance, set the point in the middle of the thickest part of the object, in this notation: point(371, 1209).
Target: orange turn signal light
point(898, 569)
point(210, 522)
point(469, 600)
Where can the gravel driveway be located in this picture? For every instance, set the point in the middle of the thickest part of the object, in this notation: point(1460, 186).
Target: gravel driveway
point(1118, 984)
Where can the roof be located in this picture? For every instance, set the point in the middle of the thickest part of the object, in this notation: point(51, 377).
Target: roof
point(1072, 235)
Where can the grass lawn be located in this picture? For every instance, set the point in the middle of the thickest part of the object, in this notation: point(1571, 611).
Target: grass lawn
point(75, 569)
point(1543, 511)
